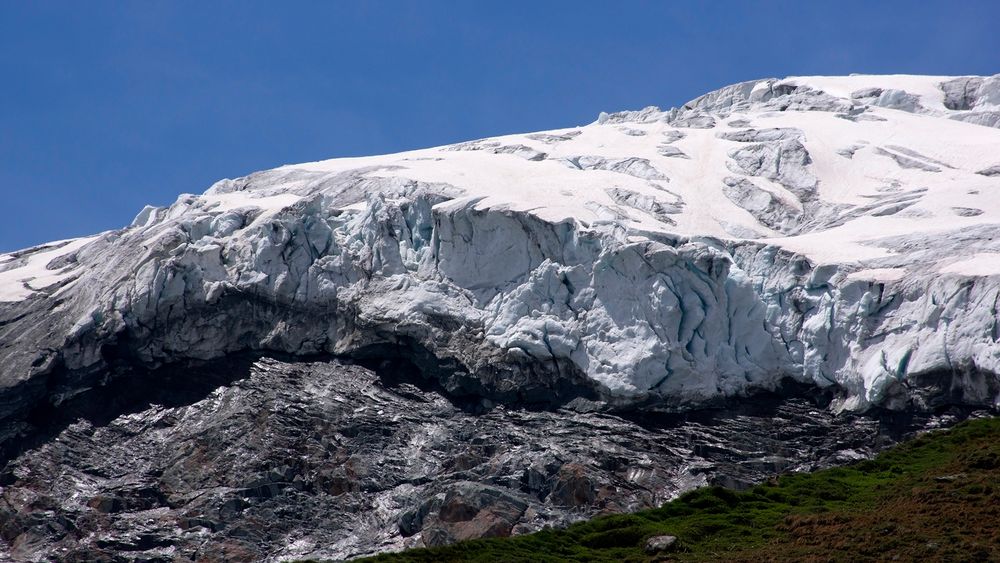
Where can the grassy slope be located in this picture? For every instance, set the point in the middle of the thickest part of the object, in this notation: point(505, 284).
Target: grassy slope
point(935, 498)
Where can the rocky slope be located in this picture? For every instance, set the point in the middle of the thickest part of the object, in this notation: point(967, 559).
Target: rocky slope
point(834, 233)
point(264, 459)
point(932, 498)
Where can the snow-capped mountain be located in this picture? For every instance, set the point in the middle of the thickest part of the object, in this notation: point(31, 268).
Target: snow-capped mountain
point(836, 240)
point(839, 231)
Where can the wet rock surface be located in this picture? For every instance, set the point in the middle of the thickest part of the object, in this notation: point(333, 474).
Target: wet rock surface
point(253, 458)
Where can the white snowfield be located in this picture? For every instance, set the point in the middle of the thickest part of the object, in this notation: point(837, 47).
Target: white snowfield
point(839, 231)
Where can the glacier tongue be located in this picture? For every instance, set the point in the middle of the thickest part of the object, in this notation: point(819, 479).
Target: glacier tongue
point(841, 232)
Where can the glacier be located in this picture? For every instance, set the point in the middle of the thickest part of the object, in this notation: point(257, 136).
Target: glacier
point(839, 232)
point(340, 358)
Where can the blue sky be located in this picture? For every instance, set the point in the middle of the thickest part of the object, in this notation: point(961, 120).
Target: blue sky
point(108, 106)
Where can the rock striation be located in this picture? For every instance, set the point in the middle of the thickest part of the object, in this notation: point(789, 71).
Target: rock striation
point(265, 459)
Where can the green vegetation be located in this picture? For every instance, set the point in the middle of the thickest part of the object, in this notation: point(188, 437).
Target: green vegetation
point(935, 498)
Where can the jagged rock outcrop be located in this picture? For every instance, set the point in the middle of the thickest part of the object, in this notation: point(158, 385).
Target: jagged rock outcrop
point(262, 459)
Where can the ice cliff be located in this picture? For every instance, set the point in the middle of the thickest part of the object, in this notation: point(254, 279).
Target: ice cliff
point(838, 231)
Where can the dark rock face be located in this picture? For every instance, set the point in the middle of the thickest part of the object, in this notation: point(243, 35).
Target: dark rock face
point(260, 459)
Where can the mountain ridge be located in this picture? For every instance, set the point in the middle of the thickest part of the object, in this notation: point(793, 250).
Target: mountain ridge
point(520, 239)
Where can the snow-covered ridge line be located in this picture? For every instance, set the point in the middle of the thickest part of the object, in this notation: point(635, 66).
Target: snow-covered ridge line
point(838, 231)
